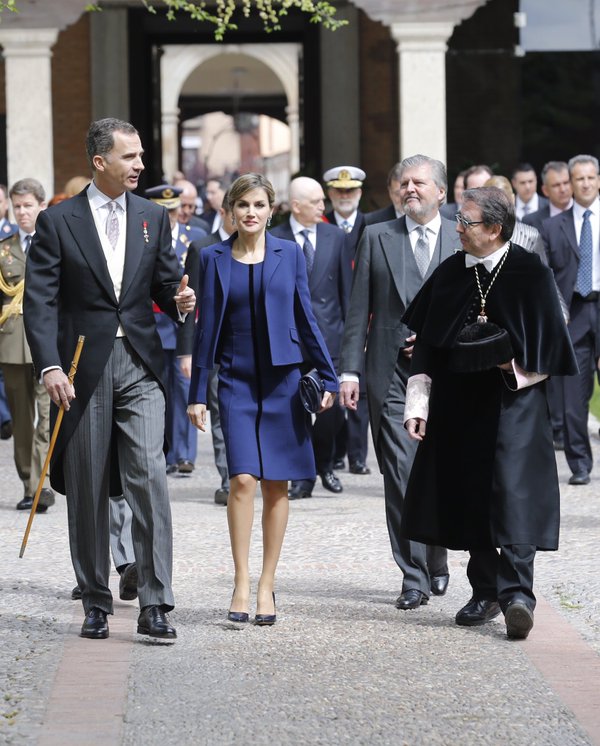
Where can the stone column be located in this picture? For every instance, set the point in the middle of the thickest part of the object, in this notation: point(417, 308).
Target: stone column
point(170, 141)
point(293, 121)
point(29, 104)
point(422, 83)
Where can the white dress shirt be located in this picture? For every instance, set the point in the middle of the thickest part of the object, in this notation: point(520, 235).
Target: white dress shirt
point(578, 211)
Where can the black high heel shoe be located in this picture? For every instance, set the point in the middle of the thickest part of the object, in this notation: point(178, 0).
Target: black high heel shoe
point(266, 620)
point(237, 616)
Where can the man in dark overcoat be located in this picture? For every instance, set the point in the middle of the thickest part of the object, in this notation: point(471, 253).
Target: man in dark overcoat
point(490, 330)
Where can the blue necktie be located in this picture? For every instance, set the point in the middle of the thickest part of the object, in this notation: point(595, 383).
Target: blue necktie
point(308, 250)
point(584, 271)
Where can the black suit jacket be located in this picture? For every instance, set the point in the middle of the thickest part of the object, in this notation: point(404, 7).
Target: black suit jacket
point(69, 292)
point(185, 335)
point(537, 218)
point(380, 216)
point(329, 283)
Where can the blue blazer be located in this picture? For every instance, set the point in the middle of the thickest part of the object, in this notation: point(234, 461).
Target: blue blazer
point(290, 318)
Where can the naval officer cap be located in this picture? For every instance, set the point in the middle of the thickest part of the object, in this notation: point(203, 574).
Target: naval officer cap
point(344, 177)
point(165, 195)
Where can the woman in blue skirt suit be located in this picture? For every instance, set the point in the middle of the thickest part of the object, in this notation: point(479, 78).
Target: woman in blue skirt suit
point(256, 322)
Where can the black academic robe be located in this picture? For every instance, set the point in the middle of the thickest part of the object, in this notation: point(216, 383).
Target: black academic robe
point(485, 473)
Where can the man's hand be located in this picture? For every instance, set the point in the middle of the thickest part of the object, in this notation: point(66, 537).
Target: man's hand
point(327, 401)
point(349, 394)
point(408, 351)
point(186, 297)
point(60, 390)
point(197, 415)
point(416, 428)
point(185, 365)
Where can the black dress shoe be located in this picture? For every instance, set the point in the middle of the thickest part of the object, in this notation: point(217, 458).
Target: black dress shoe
point(331, 482)
point(171, 468)
point(128, 583)
point(519, 620)
point(359, 468)
point(221, 496)
point(47, 497)
point(339, 464)
point(439, 584)
point(411, 599)
point(6, 430)
point(185, 467)
point(95, 626)
point(477, 612)
point(580, 477)
point(154, 622)
point(76, 593)
point(266, 620)
point(298, 492)
point(27, 503)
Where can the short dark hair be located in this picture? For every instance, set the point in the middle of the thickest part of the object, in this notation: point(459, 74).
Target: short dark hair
point(246, 183)
point(28, 186)
point(480, 168)
point(522, 168)
point(100, 137)
point(496, 208)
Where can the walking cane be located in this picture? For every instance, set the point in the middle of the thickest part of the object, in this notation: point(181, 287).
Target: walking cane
point(57, 424)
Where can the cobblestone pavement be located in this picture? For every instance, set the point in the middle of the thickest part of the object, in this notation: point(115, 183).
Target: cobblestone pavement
point(341, 665)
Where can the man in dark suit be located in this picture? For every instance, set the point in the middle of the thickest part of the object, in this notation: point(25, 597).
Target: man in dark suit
point(329, 270)
point(393, 260)
point(344, 189)
point(556, 186)
point(524, 183)
point(185, 346)
point(394, 210)
point(572, 243)
point(96, 264)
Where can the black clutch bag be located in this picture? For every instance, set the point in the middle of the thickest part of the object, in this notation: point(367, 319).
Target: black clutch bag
point(480, 347)
point(311, 388)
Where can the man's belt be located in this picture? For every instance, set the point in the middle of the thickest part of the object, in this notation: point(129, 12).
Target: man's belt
point(589, 298)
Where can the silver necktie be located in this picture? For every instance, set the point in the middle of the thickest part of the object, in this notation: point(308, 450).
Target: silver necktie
point(112, 224)
point(422, 251)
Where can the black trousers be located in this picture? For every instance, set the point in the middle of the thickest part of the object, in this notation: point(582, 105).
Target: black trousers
point(505, 576)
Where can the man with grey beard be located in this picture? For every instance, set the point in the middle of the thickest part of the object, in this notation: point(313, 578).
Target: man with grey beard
point(392, 262)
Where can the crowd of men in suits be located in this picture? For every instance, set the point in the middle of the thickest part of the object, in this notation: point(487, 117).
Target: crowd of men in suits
point(364, 270)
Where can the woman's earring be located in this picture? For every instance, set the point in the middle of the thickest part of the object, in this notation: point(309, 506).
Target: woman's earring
point(232, 220)
point(269, 220)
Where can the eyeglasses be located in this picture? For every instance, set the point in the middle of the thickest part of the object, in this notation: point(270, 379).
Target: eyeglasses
point(466, 223)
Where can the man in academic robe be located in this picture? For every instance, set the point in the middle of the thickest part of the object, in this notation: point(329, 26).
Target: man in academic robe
point(490, 330)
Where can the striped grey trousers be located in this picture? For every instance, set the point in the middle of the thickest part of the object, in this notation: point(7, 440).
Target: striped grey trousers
point(129, 405)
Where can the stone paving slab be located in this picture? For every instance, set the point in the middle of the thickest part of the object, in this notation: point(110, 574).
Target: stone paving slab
point(341, 665)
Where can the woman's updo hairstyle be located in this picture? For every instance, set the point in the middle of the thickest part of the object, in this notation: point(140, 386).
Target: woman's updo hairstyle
point(246, 183)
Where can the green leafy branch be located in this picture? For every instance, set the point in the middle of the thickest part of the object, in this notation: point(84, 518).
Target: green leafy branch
point(270, 12)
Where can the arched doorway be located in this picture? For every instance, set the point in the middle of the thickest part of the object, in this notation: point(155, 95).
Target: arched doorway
point(253, 87)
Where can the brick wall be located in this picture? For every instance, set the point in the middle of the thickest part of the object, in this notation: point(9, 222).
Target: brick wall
point(71, 101)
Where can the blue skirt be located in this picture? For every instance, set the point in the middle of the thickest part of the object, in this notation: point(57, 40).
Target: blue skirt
point(265, 427)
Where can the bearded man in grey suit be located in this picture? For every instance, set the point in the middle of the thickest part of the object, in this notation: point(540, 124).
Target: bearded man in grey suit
point(392, 262)
point(96, 264)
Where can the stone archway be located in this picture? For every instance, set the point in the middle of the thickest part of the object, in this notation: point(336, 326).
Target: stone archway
point(179, 61)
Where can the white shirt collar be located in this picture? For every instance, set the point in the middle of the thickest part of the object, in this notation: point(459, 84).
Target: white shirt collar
point(98, 199)
point(490, 261)
point(433, 225)
point(339, 219)
point(578, 209)
point(297, 227)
